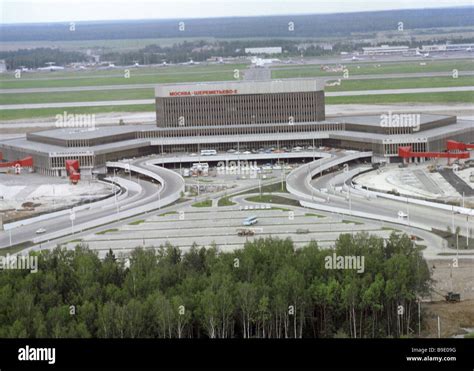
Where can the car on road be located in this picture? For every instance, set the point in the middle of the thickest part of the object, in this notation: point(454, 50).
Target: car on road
point(40, 231)
point(247, 153)
point(251, 220)
point(208, 152)
point(193, 154)
point(402, 215)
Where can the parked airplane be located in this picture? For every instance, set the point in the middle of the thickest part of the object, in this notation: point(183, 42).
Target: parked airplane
point(190, 63)
point(259, 62)
point(51, 68)
point(424, 55)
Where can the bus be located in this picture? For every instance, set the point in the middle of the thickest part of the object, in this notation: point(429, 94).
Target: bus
point(251, 220)
point(208, 152)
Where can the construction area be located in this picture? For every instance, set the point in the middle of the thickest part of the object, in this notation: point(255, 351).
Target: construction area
point(29, 194)
point(441, 176)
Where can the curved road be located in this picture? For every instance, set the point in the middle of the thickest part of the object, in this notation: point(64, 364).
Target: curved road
point(61, 225)
point(299, 184)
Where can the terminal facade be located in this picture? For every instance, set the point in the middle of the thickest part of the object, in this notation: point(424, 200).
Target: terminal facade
point(241, 116)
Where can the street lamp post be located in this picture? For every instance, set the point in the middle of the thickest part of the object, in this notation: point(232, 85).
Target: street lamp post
point(467, 231)
point(452, 216)
point(72, 216)
point(350, 202)
point(408, 213)
point(159, 199)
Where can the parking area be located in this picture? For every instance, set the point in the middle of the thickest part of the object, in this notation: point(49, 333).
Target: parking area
point(224, 228)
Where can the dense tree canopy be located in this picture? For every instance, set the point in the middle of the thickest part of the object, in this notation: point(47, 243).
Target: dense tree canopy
point(38, 57)
point(313, 25)
point(267, 289)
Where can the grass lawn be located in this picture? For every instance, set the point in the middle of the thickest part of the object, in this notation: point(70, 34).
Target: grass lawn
point(161, 75)
point(15, 248)
point(137, 222)
point(108, 231)
point(275, 187)
point(345, 221)
point(315, 215)
point(51, 112)
point(77, 96)
point(376, 68)
point(408, 83)
point(225, 201)
point(445, 97)
point(275, 199)
point(205, 203)
point(169, 213)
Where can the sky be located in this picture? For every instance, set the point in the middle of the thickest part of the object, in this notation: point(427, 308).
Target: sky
point(35, 11)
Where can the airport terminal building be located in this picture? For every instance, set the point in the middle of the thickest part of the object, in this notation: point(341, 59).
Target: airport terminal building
point(241, 115)
point(239, 103)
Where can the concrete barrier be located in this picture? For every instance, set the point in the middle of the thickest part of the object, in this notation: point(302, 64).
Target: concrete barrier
point(361, 214)
point(414, 201)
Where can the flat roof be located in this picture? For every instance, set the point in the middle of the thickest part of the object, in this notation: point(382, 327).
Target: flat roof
point(375, 120)
point(31, 147)
point(97, 132)
point(462, 126)
point(239, 87)
point(107, 131)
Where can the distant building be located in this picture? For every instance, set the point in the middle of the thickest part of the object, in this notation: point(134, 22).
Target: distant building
point(3, 66)
point(265, 50)
point(447, 48)
point(324, 46)
point(386, 50)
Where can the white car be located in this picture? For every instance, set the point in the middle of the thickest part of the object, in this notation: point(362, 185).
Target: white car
point(40, 231)
point(193, 154)
point(402, 215)
point(247, 153)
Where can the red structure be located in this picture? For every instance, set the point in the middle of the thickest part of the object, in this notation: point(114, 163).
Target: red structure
point(72, 168)
point(406, 152)
point(24, 162)
point(452, 145)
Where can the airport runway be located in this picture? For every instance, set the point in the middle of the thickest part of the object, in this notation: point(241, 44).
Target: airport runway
point(246, 77)
point(152, 101)
point(253, 74)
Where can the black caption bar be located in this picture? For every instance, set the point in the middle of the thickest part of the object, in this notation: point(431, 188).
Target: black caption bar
point(237, 354)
